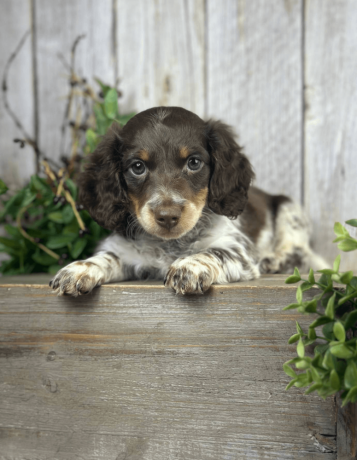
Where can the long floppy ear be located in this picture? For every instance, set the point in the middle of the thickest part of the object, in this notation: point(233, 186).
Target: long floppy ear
point(102, 189)
point(231, 173)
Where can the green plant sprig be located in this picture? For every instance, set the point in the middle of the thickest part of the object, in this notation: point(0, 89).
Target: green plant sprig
point(334, 365)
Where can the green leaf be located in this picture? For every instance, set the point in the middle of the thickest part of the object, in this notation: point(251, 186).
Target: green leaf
point(327, 331)
point(311, 278)
point(339, 331)
point(346, 277)
point(330, 309)
point(305, 286)
point(56, 217)
point(123, 119)
point(289, 371)
point(13, 231)
point(105, 88)
point(347, 297)
point(320, 321)
point(3, 187)
point(328, 361)
point(92, 139)
point(294, 338)
point(78, 247)
point(111, 104)
point(290, 384)
point(352, 222)
point(296, 272)
point(340, 230)
point(291, 306)
point(336, 264)
point(299, 329)
point(326, 271)
point(311, 334)
point(349, 244)
point(28, 198)
point(314, 387)
point(351, 374)
point(10, 243)
point(342, 351)
point(42, 258)
point(37, 184)
point(303, 364)
point(299, 295)
point(315, 375)
point(67, 214)
point(302, 380)
point(311, 306)
point(300, 349)
point(292, 279)
point(350, 396)
point(334, 380)
point(72, 188)
point(60, 241)
point(351, 320)
point(102, 121)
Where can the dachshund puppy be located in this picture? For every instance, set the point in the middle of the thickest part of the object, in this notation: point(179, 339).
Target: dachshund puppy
point(171, 186)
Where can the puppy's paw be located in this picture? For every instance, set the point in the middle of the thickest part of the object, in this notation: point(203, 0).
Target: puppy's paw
point(77, 278)
point(189, 276)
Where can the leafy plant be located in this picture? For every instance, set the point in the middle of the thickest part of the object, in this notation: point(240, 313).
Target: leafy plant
point(46, 228)
point(333, 334)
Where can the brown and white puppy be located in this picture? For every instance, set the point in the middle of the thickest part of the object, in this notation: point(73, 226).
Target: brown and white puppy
point(170, 185)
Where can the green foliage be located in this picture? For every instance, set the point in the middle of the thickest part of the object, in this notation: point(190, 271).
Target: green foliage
point(45, 228)
point(334, 365)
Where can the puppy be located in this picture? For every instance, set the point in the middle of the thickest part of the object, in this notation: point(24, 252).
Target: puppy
point(171, 187)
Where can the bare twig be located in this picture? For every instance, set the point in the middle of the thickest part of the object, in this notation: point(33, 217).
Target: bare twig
point(27, 138)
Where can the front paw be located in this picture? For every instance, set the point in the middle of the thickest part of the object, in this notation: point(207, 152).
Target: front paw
point(77, 278)
point(189, 276)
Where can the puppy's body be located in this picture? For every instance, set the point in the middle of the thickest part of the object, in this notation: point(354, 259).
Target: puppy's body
point(169, 184)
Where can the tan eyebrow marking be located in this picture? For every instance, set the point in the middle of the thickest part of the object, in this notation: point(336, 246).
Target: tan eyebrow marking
point(144, 155)
point(184, 152)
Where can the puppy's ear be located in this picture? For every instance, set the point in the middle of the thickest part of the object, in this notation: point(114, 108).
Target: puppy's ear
point(231, 173)
point(102, 188)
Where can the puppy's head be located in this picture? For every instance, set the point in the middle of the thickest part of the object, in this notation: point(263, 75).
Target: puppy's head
point(163, 168)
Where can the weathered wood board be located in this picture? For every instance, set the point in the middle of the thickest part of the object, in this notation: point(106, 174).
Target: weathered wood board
point(161, 54)
point(254, 83)
point(330, 120)
point(135, 372)
point(16, 165)
point(58, 24)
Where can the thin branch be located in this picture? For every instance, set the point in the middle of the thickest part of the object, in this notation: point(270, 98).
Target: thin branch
point(28, 139)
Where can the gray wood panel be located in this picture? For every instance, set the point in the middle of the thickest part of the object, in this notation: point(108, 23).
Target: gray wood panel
point(16, 165)
point(58, 23)
point(161, 54)
point(135, 372)
point(254, 83)
point(330, 120)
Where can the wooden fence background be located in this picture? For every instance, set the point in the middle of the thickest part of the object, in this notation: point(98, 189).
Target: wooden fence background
point(282, 72)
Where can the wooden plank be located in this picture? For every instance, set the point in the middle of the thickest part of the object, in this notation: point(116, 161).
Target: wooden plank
point(137, 372)
point(58, 23)
point(347, 432)
point(16, 165)
point(255, 84)
point(161, 54)
point(330, 119)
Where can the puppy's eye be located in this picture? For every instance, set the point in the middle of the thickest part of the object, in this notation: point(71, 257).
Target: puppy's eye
point(194, 164)
point(138, 168)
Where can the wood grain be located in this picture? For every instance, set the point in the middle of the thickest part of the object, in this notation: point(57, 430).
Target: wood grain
point(254, 83)
point(58, 23)
point(135, 372)
point(161, 54)
point(16, 165)
point(330, 120)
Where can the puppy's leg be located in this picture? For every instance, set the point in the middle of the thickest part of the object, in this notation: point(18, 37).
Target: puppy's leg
point(291, 246)
point(82, 276)
point(196, 273)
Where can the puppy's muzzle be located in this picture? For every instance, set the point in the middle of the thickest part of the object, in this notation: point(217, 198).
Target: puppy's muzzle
point(167, 217)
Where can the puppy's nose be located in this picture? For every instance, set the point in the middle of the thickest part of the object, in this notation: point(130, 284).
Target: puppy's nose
point(167, 217)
